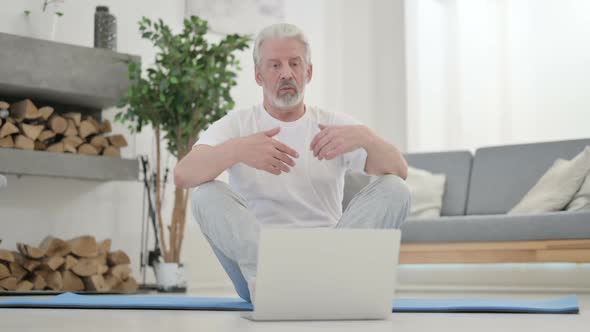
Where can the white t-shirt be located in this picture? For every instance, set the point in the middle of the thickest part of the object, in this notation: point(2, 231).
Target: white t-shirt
point(310, 195)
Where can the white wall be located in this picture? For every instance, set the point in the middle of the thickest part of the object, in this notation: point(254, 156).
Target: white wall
point(549, 69)
point(389, 69)
point(490, 72)
point(344, 35)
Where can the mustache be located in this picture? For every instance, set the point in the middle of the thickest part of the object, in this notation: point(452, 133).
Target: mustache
point(289, 84)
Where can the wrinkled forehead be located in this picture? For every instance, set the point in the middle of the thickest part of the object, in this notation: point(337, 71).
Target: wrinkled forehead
point(282, 49)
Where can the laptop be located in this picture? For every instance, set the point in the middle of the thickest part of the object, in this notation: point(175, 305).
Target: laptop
point(325, 274)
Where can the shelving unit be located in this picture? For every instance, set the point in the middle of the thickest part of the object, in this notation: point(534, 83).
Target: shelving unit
point(66, 165)
point(70, 78)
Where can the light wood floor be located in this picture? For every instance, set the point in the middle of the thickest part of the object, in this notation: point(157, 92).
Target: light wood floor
point(25, 320)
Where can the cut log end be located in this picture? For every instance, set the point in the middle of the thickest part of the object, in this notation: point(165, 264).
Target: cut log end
point(69, 148)
point(76, 117)
point(30, 251)
point(24, 286)
point(71, 282)
point(57, 147)
point(96, 283)
point(38, 282)
point(46, 112)
point(7, 142)
point(6, 256)
point(58, 124)
point(99, 142)
point(53, 262)
point(118, 257)
point(24, 143)
point(31, 131)
point(129, 285)
point(55, 246)
point(87, 149)
point(71, 129)
point(69, 263)
point(87, 128)
point(117, 141)
point(86, 267)
point(8, 129)
point(120, 271)
point(105, 127)
point(54, 281)
point(4, 271)
point(104, 247)
point(17, 271)
point(24, 109)
point(84, 246)
point(112, 151)
point(46, 135)
point(9, 283)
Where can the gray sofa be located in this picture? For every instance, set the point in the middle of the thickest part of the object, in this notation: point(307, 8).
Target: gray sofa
point(481, 188)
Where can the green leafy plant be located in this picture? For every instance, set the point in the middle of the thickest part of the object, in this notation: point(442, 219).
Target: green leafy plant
point(186, 90)
point(46, 4)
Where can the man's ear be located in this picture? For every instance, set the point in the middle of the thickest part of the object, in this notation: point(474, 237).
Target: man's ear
point(257, 75)
point(309, 72)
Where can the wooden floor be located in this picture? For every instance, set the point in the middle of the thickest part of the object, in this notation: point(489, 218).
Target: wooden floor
point(571, 251)
point(25, 320)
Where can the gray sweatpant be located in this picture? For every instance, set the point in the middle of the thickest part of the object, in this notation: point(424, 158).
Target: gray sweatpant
point(232, 230)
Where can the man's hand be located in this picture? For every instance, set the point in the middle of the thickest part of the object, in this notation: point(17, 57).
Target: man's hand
point(333, 141)
point(263, 152)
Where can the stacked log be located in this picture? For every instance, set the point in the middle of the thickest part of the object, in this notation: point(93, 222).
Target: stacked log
point(24, 126)
point(75, 265)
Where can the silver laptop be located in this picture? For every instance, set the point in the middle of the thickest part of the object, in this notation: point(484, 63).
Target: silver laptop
point(325, 274)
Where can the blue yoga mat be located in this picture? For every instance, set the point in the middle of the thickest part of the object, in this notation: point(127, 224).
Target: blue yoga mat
point(564, 305)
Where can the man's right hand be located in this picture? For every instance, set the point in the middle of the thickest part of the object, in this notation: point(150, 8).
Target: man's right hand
point(263, 152)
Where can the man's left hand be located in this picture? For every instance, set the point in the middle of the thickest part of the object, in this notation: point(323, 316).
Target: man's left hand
point(333, 141)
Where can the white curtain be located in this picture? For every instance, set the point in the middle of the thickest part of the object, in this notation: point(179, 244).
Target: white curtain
point(490, 72)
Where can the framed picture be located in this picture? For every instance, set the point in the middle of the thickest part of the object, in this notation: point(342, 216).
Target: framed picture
point(237, 16)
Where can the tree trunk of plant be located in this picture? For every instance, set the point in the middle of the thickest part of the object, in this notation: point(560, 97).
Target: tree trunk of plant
point(178, 220)
point(184, 204)
point(165, 252)
point(180, 202)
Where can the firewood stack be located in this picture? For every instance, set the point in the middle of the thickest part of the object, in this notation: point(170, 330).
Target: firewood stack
point(80, 264)
point(24, 126)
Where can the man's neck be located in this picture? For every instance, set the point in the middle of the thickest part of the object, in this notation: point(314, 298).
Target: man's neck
point(285, 115)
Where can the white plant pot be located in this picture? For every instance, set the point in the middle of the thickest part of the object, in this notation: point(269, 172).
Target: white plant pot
point(170, 277)
point(41, 24)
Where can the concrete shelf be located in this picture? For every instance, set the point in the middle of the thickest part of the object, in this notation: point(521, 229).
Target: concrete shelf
point(62, 73)
point(70, 78)
point(66, 165)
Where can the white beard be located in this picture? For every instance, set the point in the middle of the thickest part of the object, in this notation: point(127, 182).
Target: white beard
point(288, 100)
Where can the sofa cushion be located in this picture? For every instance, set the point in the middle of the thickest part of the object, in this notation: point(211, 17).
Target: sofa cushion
point(581, 200)
point(427, 191)
point(502, 175)
point(556, 188)
point(476, 228)
point(456, 165)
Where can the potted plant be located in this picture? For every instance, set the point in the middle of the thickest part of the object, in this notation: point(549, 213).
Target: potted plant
point(186, 90)
point(42, 20)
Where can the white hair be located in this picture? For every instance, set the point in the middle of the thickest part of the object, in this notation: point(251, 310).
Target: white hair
point(278, 31)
